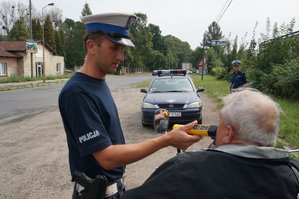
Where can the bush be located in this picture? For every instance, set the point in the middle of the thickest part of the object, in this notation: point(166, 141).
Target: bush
point(218, 71)
point(286, 79)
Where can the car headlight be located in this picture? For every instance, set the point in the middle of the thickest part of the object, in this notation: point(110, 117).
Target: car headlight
point(147, 105)
point(195, 105)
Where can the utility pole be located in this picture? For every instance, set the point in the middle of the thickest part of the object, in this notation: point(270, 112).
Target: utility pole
point(44, 62)
point(31, 39)
point(203, 60)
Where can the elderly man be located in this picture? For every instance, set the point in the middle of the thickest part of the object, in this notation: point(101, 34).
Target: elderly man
point(244, 163)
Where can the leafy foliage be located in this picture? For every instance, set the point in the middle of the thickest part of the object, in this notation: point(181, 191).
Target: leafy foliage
point(37, 30)
point(49, 33)
point(272, 68)
point(157, 39)
point(75, 52)
point(214, 33)
point(19, 30)
point(86, 10)
point(276, 67)
point(196, 56)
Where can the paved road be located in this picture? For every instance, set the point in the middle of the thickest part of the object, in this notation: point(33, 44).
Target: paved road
point(30, 101)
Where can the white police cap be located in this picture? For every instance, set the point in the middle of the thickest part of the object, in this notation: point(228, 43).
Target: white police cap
point(115, 26)
point(236, 62)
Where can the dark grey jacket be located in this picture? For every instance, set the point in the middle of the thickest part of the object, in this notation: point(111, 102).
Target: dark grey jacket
point(230, 172)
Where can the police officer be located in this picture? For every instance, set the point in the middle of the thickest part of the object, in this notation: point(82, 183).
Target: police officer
point(238, 77)
point(90, 117)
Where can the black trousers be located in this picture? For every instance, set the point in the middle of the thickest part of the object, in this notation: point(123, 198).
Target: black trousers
point(120, 187)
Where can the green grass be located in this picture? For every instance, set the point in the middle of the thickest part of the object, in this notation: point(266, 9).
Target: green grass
point(213, 87)
point(144, 84)
point(289, 125)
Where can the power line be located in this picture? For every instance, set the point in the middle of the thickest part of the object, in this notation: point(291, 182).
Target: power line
point(223, 7)
point(223, 12)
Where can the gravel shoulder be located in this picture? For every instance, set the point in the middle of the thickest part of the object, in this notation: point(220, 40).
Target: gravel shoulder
point(34, 157)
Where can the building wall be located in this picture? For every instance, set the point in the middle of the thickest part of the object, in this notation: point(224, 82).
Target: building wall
point(51, 62)
point(22, 67)
point(27, 65)
point(12, 66)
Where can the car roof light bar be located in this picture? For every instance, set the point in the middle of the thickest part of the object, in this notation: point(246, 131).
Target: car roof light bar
point(172, 72)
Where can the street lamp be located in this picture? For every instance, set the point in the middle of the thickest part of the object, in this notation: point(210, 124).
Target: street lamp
point(31, 39)
point(44, 64)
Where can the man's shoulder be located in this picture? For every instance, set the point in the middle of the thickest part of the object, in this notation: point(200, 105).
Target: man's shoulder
point(73, 88)
point(70, 87)
point(238, 73)
point(203, 156)
point(294, 163)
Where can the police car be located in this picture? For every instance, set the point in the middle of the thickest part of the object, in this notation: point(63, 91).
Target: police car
point(174, 91)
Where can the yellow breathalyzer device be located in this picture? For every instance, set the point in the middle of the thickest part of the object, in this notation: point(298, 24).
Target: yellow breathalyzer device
point(201, 129)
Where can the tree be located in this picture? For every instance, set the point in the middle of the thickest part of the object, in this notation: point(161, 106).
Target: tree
point(86, 10)
point(157, 39)
point(159, 61)
point(74, 46)
point(179, 49)
point(142, 38)
point(8, 17)
point(49, 33)
point(62, 50)
point(59, 43)
point(214, 33)
point(10, 12)
point(252, 43)
point(37, 30)
point(19, 31)
point(196, 56)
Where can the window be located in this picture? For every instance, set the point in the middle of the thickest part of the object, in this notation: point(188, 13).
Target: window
point(3, 69)
point(58, 68)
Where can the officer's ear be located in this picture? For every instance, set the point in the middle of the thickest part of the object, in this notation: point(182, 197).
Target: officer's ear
point(91, 46)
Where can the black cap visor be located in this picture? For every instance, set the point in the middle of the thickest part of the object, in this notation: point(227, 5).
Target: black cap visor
point(120, 40)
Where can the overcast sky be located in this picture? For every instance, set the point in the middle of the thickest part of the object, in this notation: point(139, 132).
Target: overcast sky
point(189, 19)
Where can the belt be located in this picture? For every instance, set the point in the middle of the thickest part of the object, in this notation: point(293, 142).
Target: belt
point(110, 189)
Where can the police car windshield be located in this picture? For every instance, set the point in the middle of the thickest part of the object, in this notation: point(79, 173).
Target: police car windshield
point(171, 85)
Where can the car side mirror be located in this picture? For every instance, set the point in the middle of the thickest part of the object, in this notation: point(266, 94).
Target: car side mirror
point(161, 121)
point(200, 89)
point(143, 90)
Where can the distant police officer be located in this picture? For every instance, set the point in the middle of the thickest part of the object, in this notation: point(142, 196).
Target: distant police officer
point(238, 77)
point(94, 136)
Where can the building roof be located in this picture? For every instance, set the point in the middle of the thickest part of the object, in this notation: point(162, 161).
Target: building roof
point(13, 46)
point(9, 48)
point(4, 53)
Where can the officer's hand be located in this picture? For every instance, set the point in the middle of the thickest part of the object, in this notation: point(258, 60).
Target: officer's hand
point(182, 140)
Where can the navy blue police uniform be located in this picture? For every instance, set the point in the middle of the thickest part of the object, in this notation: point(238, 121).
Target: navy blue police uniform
point(238, 79)
point(91, 123)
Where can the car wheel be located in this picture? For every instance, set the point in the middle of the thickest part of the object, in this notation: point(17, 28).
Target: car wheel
point(145, 125)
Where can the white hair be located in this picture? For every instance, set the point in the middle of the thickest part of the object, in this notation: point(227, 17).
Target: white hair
point(254, 115)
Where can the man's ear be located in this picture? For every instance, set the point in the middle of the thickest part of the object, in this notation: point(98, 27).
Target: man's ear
point(90, 45)
point(229, 134)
